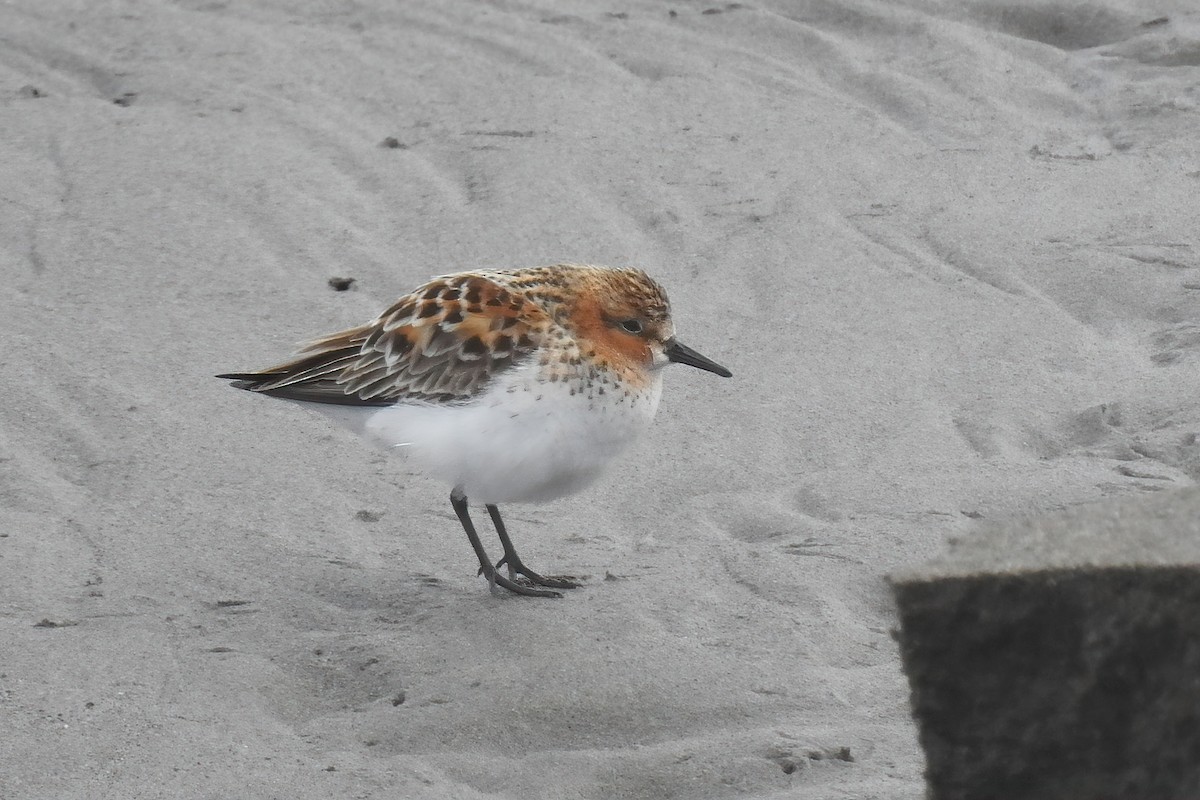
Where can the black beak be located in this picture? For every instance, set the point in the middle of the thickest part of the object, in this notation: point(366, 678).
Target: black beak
point(682, 354)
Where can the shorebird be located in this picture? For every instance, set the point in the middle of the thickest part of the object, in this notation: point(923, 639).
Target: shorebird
point(510, 385)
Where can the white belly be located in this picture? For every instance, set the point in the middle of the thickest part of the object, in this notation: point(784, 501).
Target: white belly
point(519, 442)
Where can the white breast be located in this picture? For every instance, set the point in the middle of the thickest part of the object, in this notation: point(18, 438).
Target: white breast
point(522, 441)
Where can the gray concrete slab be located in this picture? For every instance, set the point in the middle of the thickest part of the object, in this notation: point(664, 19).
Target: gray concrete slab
point(1060, 658)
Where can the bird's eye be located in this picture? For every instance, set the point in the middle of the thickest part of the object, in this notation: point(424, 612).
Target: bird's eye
point(632, 325)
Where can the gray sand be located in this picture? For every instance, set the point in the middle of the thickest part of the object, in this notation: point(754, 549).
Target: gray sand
point(948, 249)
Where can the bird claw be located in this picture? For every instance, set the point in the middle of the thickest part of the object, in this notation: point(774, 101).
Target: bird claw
point(520, 575)
point(495, 579)
point(523, 574)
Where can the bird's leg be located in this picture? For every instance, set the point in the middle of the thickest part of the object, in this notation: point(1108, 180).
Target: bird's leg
point(459, 501)
point(515, 567)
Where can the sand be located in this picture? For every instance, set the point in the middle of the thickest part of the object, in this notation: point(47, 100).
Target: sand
point(948, 250)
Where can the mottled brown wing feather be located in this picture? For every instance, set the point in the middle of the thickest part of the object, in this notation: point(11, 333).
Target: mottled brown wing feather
point(442, 343)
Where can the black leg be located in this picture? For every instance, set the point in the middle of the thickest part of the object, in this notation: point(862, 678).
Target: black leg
point(514, 561)
point(459, 501)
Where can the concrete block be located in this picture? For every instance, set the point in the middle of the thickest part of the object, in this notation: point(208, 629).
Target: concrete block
point(1060, 658)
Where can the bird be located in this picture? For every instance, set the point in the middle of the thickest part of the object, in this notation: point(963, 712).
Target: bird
point(510, 385)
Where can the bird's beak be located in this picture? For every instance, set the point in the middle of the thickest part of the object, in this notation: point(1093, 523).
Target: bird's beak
point(682, 354)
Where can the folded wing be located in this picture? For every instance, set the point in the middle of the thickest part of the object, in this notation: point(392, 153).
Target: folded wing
point(443, 343)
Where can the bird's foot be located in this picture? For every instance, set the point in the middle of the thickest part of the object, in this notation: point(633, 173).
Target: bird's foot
point(495, 579)
point(526, 574)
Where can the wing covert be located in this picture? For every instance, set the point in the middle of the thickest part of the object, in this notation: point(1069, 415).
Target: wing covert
point(442, 343)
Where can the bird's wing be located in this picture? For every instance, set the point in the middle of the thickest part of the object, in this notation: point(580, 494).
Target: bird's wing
point(442, 343)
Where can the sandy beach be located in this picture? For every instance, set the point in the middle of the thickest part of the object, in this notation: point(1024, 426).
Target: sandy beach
point(948, 250)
